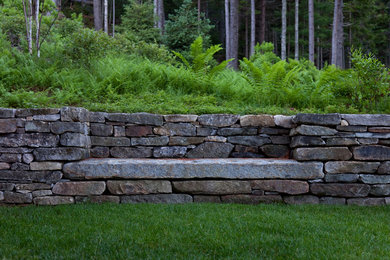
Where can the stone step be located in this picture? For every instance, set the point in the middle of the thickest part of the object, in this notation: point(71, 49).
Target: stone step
point(192, 169)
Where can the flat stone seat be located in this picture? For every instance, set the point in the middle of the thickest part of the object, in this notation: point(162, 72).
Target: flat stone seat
point(192, 169)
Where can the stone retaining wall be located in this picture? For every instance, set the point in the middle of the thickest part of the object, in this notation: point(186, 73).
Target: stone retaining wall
point(35, 144)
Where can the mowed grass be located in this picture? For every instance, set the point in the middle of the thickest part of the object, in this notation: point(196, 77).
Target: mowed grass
point(194, 231)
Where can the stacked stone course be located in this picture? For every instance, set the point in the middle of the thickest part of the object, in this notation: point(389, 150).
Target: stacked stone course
point(330, 158)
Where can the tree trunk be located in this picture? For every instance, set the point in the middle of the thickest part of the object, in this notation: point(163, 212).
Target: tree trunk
point(105, 2)
point(247, 47)
point(161, 16)
point(262, 25)
point(97, 14)
point(234, 32)
point(155, 13)
point(30, 22)
point(113, 18)
point(253, 27)
point(227, 29)
point(198, 10)
point(311, 30)
point(37, 22)
point(26, 11)
point(297, 29)
point(340, 37)
point(337, 34)
point(284, 28)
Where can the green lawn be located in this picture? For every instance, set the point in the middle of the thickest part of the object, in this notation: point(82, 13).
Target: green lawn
point(194, 231)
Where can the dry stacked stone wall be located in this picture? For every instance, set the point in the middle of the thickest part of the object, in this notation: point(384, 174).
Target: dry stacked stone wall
point(349, 156)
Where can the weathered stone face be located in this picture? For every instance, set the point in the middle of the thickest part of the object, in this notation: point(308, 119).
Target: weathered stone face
point(101, 129)
point(179, 140)
point(30, 140)
point(74, 114)
point(351, 167)
point(304, 141)
point(4, 166)
point(281, 186)
point(170, 152)
point(79, 188)
point(37, 126)
point(367, 201)
point(7, 112)
point(97, 117)
point(380, 190)
point(257, 120)
point(100, 152)
point(207, 199)
point(138, 131)
point(4, 186)
point(249, 140)
point(181, 118)
point(138, 187)
point(45, 166)
point(237, 131)
point(36, 111)
point(211, 150)
point(212, 187)
point(341, 177)
point(371, 153)
point(181, 129)
point(218, 120)
point(73, 127)
point(384, 168)
point(60, 154)
point(341, 141)
point(98, 199)
point(276, 151)
point(322, 154)
point(136, 118)
point(32, 186)
point(332, 201)
point(367, 120)
point(317, 119)
point(130, 152)
point(284, 121)
point(76, 140)
point(35, 176)
point(150, 141)
point(110, 141)
point(315, 130)
point(53, 200)
point(301, 199)
point(251, 199)
point(374, 179)
point(158, 198)
point(17, 198)
point(340, 190)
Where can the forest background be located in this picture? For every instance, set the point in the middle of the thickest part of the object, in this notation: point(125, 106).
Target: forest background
point(252, 56)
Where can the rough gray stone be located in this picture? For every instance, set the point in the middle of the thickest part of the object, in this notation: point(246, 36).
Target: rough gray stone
point(109, 141)
point(211, 150)
point(322, 154)
point(340, 189)
point(352, 128)
point(76, 140)
point(4, 166)
point(351, 167)
point(317, 119)
point(315, 130)
point(341, 177)
point(35, 176)
point(251, 199)
point(181, 129)
point(150, 141)
point(301, 199)
point(32, 186)
point(367, 201)
point(17, 198)
point(41, 193)
point(7, 112)
point(212, 187)
point(367, 120)
point(101, 130)
point(7, 126)
point(274, 131)
point(28, 158)
point(73, 127)
point(10, 157)
point(380, 190)
point(53, 200)
point(100, 152)
point(60, 154)
point(74, 114)
point(237, 131)
point(215, 138)
point(375, 179)
point(275, 151)
point(257, 120)
point(49, 118)
point(79, 188)
point(170, 152)
point(384, 168)
point(246, 155)
point(138, 131)
point(98, 199)
point(119, 131)
point(341, 141)
point(36, 111)
point(130, 152)
point(218, 120)
point(303, 141)
point(382, 129)
point(137, 118)
point(18, 167)
point(371, 153)
point(158, 198)
point(332, 201)
point(249, 140)
point(280, 139)
point(179, 140)
point(282, 186)
point(373, 135)
point(384, 142)
point(368, 141)
point(284, 121)
point(207, 199)
point(205, 131)
point(30, 140)
point(97, 117)
point(181, 118)
point(45, 166)
point(37, 126)
point(138, 187)
point(1, 195)
point(189, 169)
point(6, 186)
